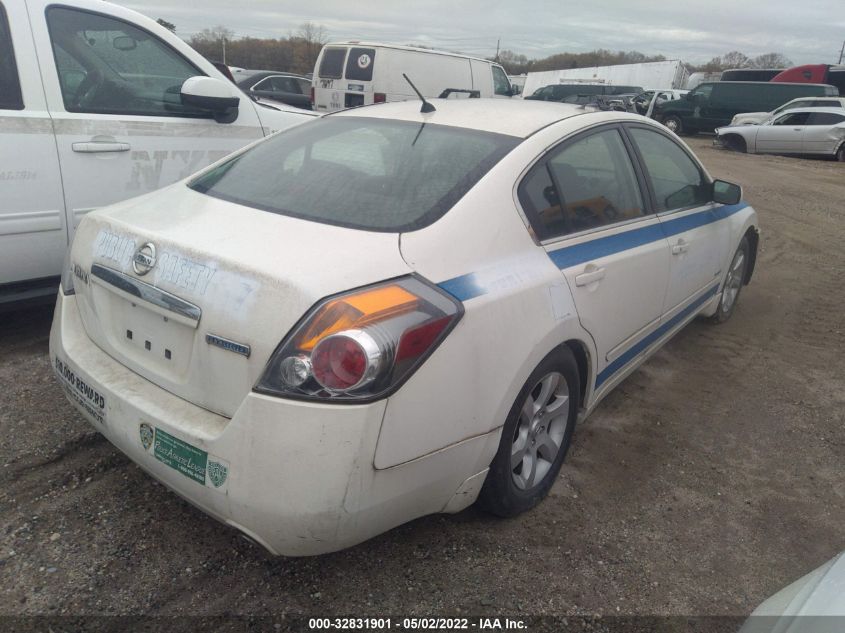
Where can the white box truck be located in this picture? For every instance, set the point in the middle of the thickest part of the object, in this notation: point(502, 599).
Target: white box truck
point(350, 74)
point(99, 104)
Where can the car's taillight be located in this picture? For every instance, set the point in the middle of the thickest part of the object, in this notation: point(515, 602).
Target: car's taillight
point(312, 95)
point(361, 345)
point(379, 97)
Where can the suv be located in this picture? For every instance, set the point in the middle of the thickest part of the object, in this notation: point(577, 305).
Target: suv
point(559, 92)
point(712, 105)
point(756, 118)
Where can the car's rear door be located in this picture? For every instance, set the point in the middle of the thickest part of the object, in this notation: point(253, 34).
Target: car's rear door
point(32, 225)
point(586, 203)
point(785, 135)
point(820, 136)
point(113, 91)
point(682, 196)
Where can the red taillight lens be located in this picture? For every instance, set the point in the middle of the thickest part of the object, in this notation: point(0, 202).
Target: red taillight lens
point(361, 345)
point(379, 97)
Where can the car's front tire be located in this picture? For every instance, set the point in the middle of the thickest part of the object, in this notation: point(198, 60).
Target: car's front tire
point(535, 437)
point(734, 281)
point(736, 143)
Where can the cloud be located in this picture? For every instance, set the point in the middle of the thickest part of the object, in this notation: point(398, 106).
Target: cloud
point(694, 32)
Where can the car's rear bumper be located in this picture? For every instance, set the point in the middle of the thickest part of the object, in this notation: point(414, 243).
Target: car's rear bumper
point(297, 477)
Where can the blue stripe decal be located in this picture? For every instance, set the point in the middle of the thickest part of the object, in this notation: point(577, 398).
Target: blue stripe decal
point(463, 288)
point(466, 287)
point(644, 343)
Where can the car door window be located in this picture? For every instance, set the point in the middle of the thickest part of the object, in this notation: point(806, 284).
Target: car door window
point(588, 183)
point(794, 118)
point(677, 180)
point(109, 66)
point(10, 87)
point(825, 118)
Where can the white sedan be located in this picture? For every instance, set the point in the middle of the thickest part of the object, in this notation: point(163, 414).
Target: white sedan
point(389, 312)
point(806, 131)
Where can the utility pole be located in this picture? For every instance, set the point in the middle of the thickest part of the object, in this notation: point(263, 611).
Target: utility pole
point(224, 50)
point(841, 52)
point(500, 39)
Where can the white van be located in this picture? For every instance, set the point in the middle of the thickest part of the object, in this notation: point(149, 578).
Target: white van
point(349, 74)
point(99, 104)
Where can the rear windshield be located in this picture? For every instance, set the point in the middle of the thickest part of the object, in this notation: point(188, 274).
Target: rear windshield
point(359, 67)
point(357, 172)
point(331, 67)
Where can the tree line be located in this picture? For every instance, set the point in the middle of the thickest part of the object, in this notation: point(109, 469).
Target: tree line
point(298, 52)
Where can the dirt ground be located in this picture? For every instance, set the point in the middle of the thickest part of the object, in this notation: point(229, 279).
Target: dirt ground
point(707, 481)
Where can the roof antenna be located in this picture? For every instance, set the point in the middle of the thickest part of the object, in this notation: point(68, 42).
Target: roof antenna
point(426, 106)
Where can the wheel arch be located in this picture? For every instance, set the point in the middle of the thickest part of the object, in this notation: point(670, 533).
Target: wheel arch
point(753, 237)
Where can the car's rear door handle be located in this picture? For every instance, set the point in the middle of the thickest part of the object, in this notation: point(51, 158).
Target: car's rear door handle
point(93, 147)
point(589, 277)
point(680, 247)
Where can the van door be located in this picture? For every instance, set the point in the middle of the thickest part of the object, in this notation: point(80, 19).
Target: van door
point(33, 236)
point(482, 77)
point(113, 90)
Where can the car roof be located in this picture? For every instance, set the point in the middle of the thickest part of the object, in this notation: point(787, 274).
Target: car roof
point(258, 75)
point(514, 117)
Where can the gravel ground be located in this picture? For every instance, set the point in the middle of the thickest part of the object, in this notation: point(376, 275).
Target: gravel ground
point(707, 481)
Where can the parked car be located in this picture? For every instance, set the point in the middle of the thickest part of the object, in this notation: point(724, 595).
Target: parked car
point(354, 323)
point(351, 74)
point(99, 104)
point(804, 131)
point(755, 118)
point(560, 92)
point(294, 90)
point(814, 603)
point(712, 105)
point(642, 101)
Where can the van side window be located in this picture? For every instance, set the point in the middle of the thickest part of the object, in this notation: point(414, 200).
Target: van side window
point(109, 66)
point(676, 179)
point(501, 85)
point(587, 184)
point(331, 66)
point(359, 66)
point(10, 87)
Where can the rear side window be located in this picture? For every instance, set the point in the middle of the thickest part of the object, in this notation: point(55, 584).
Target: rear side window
point(587, 184)
point(10, 87)
point(359, 66)
point(109, 66)
point(370, 174)
point(676, 179)
point(825, 118)
point(331, 66)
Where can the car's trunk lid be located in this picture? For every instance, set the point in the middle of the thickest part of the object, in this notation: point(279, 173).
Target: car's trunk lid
point(228, 282)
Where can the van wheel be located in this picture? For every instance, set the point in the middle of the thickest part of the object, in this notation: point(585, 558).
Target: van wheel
point(674, 124)
point(535, 437)
point(734, 281)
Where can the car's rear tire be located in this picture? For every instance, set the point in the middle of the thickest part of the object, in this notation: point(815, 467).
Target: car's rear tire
point(674, 124)
point(734, 280)
point(535, 437)
point(840, 153)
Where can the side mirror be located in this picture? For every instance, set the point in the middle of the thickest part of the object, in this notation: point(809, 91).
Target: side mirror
point(124, 43)
point(214, 95)
point(726, 192)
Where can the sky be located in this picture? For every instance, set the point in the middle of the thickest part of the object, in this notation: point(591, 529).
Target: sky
point(808, 32)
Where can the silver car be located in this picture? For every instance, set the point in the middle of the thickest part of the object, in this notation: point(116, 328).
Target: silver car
point(806, 131)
